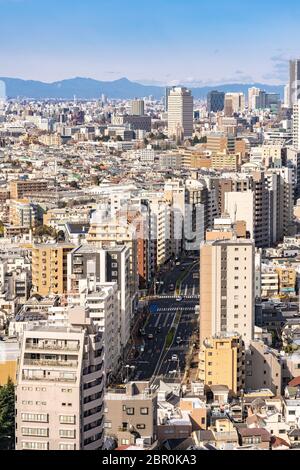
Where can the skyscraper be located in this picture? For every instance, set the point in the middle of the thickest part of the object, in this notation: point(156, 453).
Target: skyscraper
point(294, 81)
point(137, 107)
point(168, 89)
point(252, 94)
point(215, 101)
point(180, 112)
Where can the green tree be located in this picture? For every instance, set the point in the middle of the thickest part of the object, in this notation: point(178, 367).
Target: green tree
point(1, 228)
point(44, 230)
point(7, 416)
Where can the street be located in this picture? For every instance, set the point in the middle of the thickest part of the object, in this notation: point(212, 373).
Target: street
point(168, 313)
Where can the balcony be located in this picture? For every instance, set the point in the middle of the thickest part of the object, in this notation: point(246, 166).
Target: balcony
point(51, 363)
point(52, 347)
point(48, 379)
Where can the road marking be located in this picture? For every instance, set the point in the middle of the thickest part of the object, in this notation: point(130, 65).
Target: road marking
point(166, 320)
point(158, 320)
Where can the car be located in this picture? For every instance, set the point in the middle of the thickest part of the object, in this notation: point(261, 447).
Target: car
point(159, 329)
point(150, 336)
point(179, 299)
point(174, 357)
point(178, 263)
point(142, 332)
point(178, 340)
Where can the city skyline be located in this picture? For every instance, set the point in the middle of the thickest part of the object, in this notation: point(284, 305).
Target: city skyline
point(65, 40)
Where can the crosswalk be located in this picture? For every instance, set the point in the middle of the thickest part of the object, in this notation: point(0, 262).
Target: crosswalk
point(186, 297)
point(174, 309)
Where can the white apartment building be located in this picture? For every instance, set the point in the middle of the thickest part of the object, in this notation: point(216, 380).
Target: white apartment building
point(102, 300)
point(60, 386)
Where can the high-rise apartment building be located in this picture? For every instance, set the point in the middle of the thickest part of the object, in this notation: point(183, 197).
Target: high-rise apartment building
point(60, 386)
point(215, 101)
point(49, 268)
point(180, 112)
point(104, 265)
point(294, 81)
point(137, 108)
point(111, 231)
point(227, 289)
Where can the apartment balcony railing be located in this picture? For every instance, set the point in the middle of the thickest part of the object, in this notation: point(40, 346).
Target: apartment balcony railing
point(48, 379)
point(52, 363)
point(52, 347)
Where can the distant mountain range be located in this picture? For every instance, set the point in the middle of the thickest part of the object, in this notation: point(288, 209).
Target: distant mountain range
point(87, 88)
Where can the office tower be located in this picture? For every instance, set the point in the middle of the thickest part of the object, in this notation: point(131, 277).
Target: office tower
point(227, 289)
point(252, 94)
point(294, 82)
point(296, 125)
point(221, 361)
point(215, 101)
point(104, 265)
point(49, 268)
point(228, 106)
point(180, 113)
point(234, 101)
point(287, 96)
point(131, 414)
point(167, 94)
point(60, 386)
point(137, 108)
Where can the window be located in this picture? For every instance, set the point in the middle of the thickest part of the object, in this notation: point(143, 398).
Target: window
point(67, 433)
point(44, 432)
point(125, 442)
point(67, 446)
point(34, 417)
point(107, 425)
point(144, 411)
point(67, 419)
point(203, 420)
point(35, 445)
point(141, 426)
point(130, 411)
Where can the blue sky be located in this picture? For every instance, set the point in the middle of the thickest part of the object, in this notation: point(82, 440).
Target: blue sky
point(166, 41)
